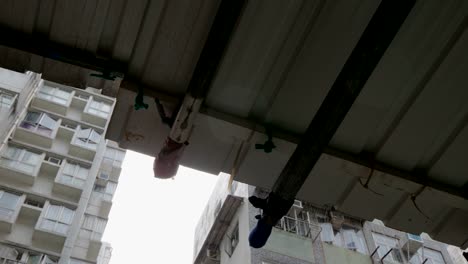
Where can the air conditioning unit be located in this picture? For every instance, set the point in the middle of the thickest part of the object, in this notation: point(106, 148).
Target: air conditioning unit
point(336, 219)
point(54, 160)
point(102, 178)
point(411, 244)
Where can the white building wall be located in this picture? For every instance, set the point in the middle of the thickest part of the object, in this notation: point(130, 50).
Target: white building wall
point(241, 253)
point(346, 242)
point(26, 235)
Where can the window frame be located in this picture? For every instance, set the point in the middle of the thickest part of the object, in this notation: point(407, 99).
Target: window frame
point(74, 176)
point(114, 158)
point(97, 110)
point(108, 192)
point(19, 161)
point(11, 211)
point(97, 223)
point(39, 126)
point(88, 141)
point(53, 96)
point(56, 221)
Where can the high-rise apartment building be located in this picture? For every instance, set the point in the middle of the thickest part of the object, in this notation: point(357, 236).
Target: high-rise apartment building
point(307, 235)
point(57, 172)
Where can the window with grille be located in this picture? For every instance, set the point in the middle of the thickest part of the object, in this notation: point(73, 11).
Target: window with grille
point(296, 221)
point(54, 95)
point(20, 159)
point(57, 219)
point(93, 227)
point(107, 191)
point(87, 138)
point(8, 205)
point(74, 175)
point(40, 123)
point(100, 109)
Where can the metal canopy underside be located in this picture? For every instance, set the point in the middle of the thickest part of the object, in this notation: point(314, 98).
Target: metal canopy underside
point(406, 131)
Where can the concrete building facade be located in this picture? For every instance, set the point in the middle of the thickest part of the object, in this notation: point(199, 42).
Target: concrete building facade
point(307, 235)
point(57, 172)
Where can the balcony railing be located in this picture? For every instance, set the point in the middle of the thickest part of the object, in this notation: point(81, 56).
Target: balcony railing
point(299, 227)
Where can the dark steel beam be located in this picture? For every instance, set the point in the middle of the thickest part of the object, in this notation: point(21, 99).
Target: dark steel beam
point(376, 38)
point(216, 44)
point(48, 49)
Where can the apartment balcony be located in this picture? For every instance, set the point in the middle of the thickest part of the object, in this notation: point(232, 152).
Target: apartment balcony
point(94, 249)
point(66, 131)
point(18, 171)
point(94, 119)
point(9, 210)
point(84, 143)
point(52, 98)
point(42, 235)
point(104, 210)
point(37, 134)
point(30, 211)
point(53, 225)
point(67, 188)
point(97, 112)
point(53, 239)
point(69, 184)
point(80, 100)
point(109, 171)
point(51, 106)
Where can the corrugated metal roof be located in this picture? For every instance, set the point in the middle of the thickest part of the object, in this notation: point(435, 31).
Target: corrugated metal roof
point(159, 40)
point(411, 114)
point(406, 131)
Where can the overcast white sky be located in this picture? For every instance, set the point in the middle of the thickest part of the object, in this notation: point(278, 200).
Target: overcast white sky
point(153, 221)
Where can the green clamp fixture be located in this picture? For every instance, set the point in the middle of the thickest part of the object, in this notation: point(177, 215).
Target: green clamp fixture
point(268, 146)
point(139, 103)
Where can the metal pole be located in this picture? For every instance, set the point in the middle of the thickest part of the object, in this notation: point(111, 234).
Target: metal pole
point(373, 253)
point(386, 254)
